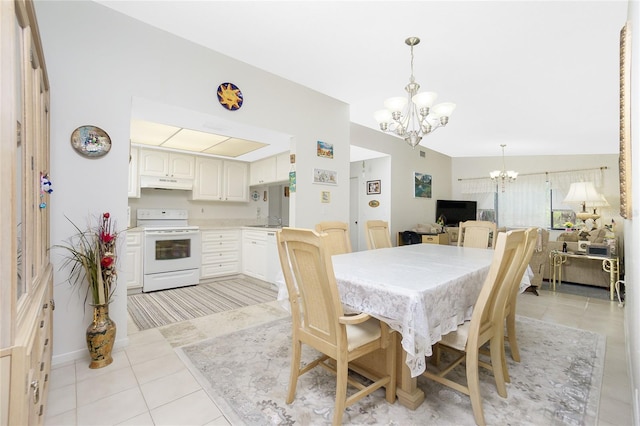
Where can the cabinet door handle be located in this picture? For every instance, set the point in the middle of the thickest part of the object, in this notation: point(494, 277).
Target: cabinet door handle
point(35, 388)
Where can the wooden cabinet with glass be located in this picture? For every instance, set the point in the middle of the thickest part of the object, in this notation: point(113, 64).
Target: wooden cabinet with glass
point(26, 275)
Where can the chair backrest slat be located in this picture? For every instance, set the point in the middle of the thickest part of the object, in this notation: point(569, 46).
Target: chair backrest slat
point(477, 233)
point(338, 240)
point(310, 280)
point(378, 234)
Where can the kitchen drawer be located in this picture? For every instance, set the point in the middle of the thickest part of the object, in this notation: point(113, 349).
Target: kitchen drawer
point(436, 239)
point(134, 238)
point(218, 269)
point(224, 256)
point(220, 246)
point(219, 235)
point(248, 234)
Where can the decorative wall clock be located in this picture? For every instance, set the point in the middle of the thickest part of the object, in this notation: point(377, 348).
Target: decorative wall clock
point(230, 96)
point(90, 141)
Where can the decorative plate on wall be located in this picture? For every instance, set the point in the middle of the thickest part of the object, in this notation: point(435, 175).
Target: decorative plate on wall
point(230, 96)
point(90, 141)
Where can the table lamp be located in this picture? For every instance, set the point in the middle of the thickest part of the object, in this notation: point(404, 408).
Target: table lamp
point(585, 194)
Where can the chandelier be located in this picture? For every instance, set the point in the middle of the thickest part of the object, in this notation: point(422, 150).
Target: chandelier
point(413, 117)
point(504, 175)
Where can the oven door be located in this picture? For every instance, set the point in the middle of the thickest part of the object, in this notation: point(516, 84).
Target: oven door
point(171, 250)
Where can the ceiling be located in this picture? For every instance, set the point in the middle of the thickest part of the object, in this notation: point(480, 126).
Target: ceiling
point(541, 77)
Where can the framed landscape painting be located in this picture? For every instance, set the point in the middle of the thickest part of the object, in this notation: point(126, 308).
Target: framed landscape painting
point(421, 185)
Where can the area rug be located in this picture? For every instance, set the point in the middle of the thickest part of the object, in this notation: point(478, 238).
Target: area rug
point(150, 310)
point(246, 373)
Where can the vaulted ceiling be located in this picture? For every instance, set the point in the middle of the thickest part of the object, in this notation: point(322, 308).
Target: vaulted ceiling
point(541, 77)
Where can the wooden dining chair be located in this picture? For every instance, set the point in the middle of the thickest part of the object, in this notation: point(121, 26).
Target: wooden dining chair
point(319, 321)
point(377, 234)
point(477, 233)
point(531, 236)
point(339, 241)
point(486, 326)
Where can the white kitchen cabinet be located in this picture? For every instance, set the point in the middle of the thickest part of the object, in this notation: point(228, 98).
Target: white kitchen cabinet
point(263, 171)
point(254, 253)
point(134, 182)
point(260, 257)
point(220, 252)
point(269, 170)
point(220, 180)
point(283, 166)
point(274, 270)
point(133, 260)
point(164, 163)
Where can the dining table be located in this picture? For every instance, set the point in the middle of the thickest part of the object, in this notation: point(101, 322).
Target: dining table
point(422, 291)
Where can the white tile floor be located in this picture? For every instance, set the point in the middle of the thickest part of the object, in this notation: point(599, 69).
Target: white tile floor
point(148, 384)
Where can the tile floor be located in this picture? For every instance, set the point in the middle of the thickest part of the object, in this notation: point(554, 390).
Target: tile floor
point(148, 384)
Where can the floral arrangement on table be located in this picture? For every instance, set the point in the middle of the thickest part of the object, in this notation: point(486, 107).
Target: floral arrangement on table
point(92, 256)
point(568, 225)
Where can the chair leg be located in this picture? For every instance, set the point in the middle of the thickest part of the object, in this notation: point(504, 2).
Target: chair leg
point(511, 332)
point(473, 383)
point(498, 363)
point(295, 368)
point(342, 372)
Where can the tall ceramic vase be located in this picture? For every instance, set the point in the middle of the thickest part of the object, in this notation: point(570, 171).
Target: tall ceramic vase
point(101, 334)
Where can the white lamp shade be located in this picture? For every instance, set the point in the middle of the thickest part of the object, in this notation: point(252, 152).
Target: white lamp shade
point(602, 202)
point(582, 192)
point(396, 104)
point(494, 174)
point(444, 109)
point(382, 116)
point(424, 99)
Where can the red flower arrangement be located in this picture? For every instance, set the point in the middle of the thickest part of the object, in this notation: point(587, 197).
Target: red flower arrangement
point(92, 256)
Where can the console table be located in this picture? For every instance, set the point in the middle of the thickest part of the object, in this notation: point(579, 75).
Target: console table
point(609, 264)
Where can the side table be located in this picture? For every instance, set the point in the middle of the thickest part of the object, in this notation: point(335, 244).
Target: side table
point(609, 264)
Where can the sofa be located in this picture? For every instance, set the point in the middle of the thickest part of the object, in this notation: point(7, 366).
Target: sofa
point(581, 271)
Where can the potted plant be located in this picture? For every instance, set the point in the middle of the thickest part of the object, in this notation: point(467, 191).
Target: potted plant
point(91, 254)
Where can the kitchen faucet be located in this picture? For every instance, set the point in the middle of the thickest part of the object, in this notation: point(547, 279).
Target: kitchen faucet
point(277, 218)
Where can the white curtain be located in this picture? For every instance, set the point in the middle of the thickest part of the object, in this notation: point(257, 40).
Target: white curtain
point(527, 201)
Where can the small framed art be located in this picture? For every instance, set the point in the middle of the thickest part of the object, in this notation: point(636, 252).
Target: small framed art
point(373, 187)
point(421, 185)
point(329, 177)
point(325, 150)
point(325, 196)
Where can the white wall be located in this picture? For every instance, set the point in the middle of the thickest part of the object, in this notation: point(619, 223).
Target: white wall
point(405, 211)
point(98, 61)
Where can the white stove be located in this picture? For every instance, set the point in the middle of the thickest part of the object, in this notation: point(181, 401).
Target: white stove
point(172, 252)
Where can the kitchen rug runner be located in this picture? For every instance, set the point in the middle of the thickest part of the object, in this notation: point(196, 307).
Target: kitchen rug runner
point(150, 310)
point(246, 373)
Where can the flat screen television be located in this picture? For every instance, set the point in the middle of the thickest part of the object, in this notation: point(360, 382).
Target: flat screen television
point(453, 212)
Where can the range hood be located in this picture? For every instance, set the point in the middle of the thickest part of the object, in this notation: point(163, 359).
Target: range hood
point(159, 182)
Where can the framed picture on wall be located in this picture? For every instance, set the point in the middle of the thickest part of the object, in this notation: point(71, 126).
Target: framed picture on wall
point(328, 177)
point(421, 185)
point(325, 196)
point(373, 187)
point(325, 150)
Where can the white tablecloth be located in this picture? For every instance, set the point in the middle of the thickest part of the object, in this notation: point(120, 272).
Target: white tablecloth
point(423, 291)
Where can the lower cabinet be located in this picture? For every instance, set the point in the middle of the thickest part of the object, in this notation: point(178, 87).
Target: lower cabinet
point(133, 259)
point(254, 253)
point(260, 254)
point(220, 252)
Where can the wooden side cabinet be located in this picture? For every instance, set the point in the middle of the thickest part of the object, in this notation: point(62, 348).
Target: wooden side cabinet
point(26, 273)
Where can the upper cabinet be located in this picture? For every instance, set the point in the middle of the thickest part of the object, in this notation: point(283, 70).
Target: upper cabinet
point(134, 182)
point(163, 163)
point(220, 180)
point(269, 170)
point(263, 171)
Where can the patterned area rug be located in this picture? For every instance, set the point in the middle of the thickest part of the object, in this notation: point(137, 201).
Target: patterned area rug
point(558, 382)
point(150, 310)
